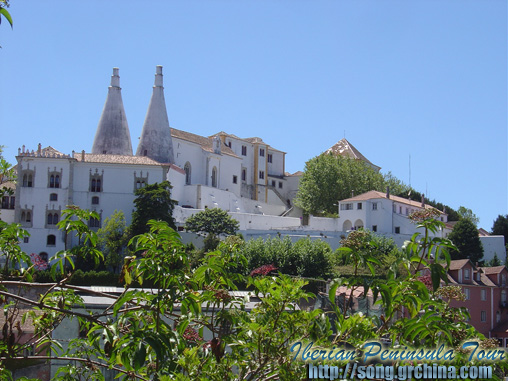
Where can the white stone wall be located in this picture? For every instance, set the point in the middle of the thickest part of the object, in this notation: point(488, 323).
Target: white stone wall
point(493, 245)
point(276, 167)
point(191, 152)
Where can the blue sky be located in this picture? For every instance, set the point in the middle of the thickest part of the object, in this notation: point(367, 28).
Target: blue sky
point(397, 78)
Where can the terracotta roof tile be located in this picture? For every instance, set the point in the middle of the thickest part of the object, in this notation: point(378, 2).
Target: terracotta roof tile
point(116, 159)
point(493, 270)
point(205, 143)
point(457, 264)
point(346, 149)
point(370, 195)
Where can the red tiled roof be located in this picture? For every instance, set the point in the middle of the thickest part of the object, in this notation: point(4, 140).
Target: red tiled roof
point(493, 270)
point(370, 195)
point(205, 143)
point(457, 264)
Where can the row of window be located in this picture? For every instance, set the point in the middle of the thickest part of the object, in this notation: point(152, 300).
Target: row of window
point(53, 218)
point(95, 183)
point(28, 181)
point(359, 206)
point(261, 152)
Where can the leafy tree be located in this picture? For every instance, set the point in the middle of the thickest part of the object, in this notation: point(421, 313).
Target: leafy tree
point(214, 223)
point(305, 257)
point(328, 179)
point(153, 202)
point(7, 174)
point(500, 227)
point(468, 214)
point(465, 237)
point(112, 240)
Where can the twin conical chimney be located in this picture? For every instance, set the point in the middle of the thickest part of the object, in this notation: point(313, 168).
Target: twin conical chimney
point(156, 142)
point(113, 136)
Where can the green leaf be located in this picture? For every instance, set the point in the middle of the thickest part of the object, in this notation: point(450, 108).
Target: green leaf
point(139, 357)
point(6, 14)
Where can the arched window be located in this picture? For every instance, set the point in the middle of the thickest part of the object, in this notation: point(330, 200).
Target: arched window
point(44, 256)
point(95, 200)
point(187, 169)
point(52, 181)
point(55, 218)
point(94, 223)
point(51, 240)
point(214, 177)
point(347, 225)
point(25, 180)
point(23, 217)
point(98, 185)
point(28, 217)
point(138, 184)
point(29, 184)
point(50, 219)
point(94, 185)
point(57, 181)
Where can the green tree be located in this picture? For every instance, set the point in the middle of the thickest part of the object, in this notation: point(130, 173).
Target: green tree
point(214, 223)
point(153, 202)
point(494, 262)
point(7, 174)
point(468, 214)
point(465, 237)
point(500, 227)
point(305, 257)
point(112, 240)
point(328, 179)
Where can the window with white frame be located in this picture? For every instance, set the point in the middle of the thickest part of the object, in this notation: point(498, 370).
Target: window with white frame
point(346, 206)
point(467, 293)
point(261, 174)
point(466, 274)
point(244, 150)
point(483, 316)
point(270, 158)
point(374, 206)
point(262, 152)
point(483, 294)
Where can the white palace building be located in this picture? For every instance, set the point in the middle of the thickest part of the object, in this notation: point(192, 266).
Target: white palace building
point(244, 176)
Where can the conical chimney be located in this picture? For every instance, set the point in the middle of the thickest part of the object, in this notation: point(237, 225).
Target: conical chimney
point(113, 136)
point(156, 142)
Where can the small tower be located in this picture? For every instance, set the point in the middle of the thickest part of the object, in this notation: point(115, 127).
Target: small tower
point(156, 142)
point(113, 136)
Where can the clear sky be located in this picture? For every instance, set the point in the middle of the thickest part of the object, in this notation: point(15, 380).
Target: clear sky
point(397, 78)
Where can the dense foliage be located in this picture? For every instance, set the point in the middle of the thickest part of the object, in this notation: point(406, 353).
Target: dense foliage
point(190, 326)
point(500, 227)
point(328, 179)
point(305, 257)
point(152, 202)
point(465, 237)
point(112, 240)
point(214, 223)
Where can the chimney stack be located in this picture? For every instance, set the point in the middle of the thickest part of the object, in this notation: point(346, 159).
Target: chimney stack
point(83, 155)
point(387, 192)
